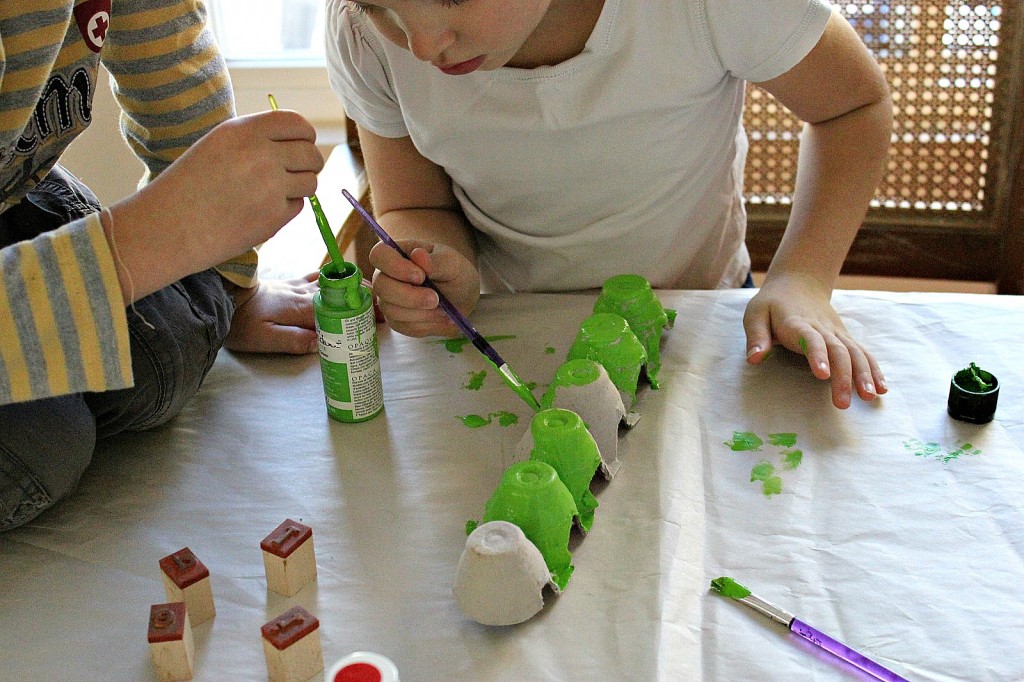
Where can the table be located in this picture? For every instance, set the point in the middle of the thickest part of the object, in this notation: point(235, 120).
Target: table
point(913, 554)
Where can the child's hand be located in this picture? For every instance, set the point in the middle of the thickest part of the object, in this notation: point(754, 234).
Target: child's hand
point(276, 316)
point(796, 312)
point(231, 190)
point(410, 308)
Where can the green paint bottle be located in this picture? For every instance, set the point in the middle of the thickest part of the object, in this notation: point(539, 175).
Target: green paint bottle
point(347, 337)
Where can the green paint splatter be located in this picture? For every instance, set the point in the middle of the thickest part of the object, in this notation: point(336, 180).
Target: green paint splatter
point(744, 441)
point(506, 418)
point(920, 448)
point(456, 345)
point(762, 471)
point(936, 451)
point(727, 587)
point(803, 345)
point(765, 471)
point(475, 421)
point(550, 350)
point(786, 440)
point(476, 380)
point(771, 486)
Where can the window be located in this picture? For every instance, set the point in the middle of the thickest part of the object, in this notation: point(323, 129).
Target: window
point(269, 31)
point(277, 46)
point(945, 206)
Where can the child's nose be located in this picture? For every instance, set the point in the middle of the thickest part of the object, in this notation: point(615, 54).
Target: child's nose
point(428, 42)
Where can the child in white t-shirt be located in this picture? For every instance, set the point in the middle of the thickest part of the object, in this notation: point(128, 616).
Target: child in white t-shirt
point(546, 145)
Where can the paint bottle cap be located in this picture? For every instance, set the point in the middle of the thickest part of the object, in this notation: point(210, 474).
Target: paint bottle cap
point(363, 666)
point(973, 394)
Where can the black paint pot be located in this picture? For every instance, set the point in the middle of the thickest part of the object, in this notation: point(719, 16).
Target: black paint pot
point(970, 401)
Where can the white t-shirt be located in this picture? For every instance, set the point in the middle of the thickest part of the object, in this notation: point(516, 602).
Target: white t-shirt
point(627, 158)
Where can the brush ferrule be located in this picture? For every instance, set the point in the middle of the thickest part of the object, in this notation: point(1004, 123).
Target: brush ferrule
point(766, 608)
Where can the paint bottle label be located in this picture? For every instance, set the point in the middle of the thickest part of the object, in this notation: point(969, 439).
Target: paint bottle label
point(347, 340)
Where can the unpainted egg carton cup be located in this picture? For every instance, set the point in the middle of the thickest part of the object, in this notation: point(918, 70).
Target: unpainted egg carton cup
point(498, 581)
point(501, 576)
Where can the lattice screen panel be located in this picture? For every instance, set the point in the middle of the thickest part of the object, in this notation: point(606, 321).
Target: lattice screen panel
point(940, 60)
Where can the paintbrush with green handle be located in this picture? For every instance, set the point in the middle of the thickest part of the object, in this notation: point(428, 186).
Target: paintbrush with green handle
point(321, 220)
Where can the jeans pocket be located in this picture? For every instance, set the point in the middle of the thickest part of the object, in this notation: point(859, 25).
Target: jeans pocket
point(22, 497)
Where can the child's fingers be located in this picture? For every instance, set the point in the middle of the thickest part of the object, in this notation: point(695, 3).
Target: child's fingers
point(758, 327)
point(840, 369)
point(394, 265)
point(395, 293)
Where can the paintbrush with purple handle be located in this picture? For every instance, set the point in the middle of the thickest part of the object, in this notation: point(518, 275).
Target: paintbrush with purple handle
point(477, 339)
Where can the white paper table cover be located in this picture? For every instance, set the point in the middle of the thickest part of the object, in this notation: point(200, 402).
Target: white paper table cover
point(916, 562)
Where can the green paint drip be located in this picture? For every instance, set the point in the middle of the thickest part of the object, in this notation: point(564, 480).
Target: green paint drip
point(727, 587)
point(476, 380)
point(456, 345)
point(743, 441)
point(803, 345)
point(786, 440)
point(791, 459)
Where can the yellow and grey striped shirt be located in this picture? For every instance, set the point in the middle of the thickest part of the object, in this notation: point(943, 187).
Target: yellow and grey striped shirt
point(62, 321)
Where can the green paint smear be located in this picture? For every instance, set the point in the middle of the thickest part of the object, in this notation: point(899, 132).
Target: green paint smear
point(475, 421)
point(471, 526)
point(762, 471)
point(803, 345)
point(550, 350)
point(727, 587)
point(506, 418)
point(744, 441)
point(944, 454)
point(791, 459)
point(786, 440)
point(476, 380)
point(771, 486)
point(456, 345)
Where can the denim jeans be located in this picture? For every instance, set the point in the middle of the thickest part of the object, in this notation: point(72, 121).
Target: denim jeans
point(46, 445)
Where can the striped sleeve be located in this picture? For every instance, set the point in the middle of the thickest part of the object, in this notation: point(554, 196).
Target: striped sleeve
point(60, 295)
point(173, 87)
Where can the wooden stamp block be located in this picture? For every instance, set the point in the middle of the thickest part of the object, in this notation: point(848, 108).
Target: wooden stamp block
point(186, 579)
point(291, 644)
point(170, 641)
point(288, 557)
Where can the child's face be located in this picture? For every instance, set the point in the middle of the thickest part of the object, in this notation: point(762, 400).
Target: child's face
point(457, 36)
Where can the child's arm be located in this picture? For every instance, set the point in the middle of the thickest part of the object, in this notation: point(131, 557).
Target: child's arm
point(413, 201)
point(840, 91)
